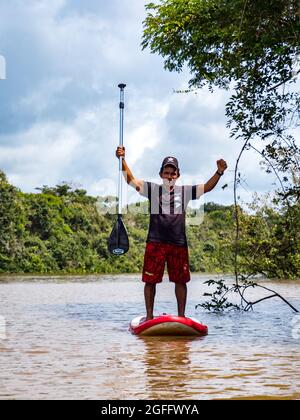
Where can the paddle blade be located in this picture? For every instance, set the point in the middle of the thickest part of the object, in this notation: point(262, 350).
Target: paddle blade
point(118, 243)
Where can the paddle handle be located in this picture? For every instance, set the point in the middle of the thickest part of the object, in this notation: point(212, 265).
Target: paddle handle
point(121, 143)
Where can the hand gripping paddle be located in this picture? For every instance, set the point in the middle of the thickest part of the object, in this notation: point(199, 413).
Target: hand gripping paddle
point(118, 243)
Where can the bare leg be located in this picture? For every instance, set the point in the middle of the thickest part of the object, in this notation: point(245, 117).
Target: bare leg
point(181, 295)
point(149, 292)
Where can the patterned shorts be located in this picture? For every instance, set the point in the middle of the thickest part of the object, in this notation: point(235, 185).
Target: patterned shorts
point(156, 257)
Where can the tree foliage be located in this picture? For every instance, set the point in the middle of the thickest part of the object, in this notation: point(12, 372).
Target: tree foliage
point(251, 47)
point(49, 232)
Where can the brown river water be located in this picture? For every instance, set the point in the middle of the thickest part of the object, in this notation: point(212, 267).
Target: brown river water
point(68, 338)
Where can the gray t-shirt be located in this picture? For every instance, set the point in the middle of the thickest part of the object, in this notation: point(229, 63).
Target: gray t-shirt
point(167, 212)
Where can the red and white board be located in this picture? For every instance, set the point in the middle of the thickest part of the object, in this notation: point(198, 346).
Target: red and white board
point(167, 325)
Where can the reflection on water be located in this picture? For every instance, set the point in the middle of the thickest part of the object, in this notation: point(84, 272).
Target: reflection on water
point(71, 340)
point(168, 366)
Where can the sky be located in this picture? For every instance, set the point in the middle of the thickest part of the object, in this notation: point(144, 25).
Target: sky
point(59, 107)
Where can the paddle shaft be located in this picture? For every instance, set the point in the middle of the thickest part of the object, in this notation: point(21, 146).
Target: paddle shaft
point(121, 142)
point(118, 243)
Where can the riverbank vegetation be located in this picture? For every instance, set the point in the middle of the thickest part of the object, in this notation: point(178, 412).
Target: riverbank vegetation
point(60, 230)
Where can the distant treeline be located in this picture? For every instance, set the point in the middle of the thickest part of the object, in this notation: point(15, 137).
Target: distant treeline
point(60, 230)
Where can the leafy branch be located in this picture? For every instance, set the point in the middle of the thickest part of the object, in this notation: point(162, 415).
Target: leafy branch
point(251, 48)
point(219, 299)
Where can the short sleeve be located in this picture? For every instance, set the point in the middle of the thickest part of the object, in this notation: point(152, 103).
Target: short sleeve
point(190, 193)
point(145, 191)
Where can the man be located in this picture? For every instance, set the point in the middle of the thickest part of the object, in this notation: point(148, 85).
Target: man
point(166, 242)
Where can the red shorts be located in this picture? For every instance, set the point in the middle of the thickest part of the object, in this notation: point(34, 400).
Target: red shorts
point(156, 256)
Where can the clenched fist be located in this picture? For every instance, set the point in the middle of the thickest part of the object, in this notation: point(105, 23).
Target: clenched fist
point(120, 152)
point(222, 165)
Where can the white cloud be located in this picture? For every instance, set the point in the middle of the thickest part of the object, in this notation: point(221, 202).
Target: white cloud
point(60, 117)
point(42, 155)
point(39, 101)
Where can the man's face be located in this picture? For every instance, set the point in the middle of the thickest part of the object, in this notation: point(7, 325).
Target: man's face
point(169, 175)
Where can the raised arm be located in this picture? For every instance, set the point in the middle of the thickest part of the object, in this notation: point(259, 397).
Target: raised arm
point(137, 184)
point(213, 181)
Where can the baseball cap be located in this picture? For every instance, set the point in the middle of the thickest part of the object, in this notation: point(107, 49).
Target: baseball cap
point(170, 161)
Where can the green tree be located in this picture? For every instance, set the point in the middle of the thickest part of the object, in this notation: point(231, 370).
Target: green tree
point(270, 240)
point(251, 47)
point(67, 233)
point(12, 224)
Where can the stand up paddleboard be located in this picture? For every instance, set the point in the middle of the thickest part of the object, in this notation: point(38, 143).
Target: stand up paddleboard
point(167, 325)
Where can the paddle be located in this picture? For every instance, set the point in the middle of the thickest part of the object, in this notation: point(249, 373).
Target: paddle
point(118, 243)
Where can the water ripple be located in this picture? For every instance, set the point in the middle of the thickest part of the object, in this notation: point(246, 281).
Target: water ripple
point(71, 340)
